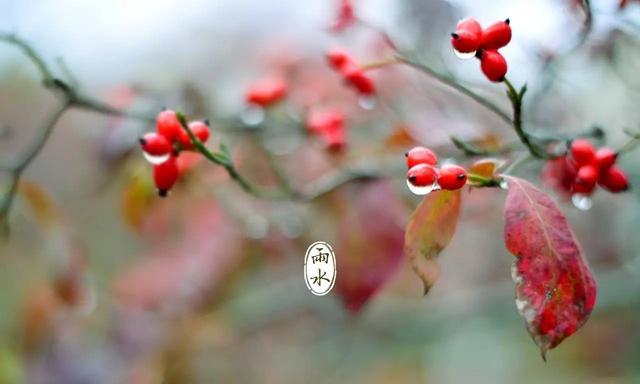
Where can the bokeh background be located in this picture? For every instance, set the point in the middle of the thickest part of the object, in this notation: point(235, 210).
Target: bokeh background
point(102, 282)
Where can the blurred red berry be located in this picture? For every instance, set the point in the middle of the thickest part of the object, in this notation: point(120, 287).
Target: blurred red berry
point(338, 58)
point(493, 65)
point(605, 157)
point(200, 130)
point(266, 92)
point(586, 178)
point(582, 152)
point(496, 35)
point(155, 144)
point(357, 78)
point(330, 125)
point(559, 175)
point(168, 125)
point(614, 180)
point(421, 155)
point(165, 175)
point(346, 16)
point(452, 177)
point(422, 175)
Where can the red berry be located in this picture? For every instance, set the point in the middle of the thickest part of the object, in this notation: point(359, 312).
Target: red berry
point(420, 155)
point(496, 35)
point(614, 180)
point(467, 36)
point(582, 152)
point(469, 25)
point(324, 120)
point(338, 58)
point(168, 125)
point(452, 177)
point(493, 65)
point(266, 92)
point(335, 140)
point(422, 175)
point(155, 144)
point(605, 157)
point(199, 128)
point(346, 16)
point(355, 76)
point(587, 177)
point(165, 175)
point(465, 42)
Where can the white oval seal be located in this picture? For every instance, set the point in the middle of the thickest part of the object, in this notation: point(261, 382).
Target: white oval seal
point(320, 268)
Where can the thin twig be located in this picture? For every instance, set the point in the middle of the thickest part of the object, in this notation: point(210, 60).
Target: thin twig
point(452, 83)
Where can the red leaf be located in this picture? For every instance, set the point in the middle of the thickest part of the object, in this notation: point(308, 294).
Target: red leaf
point(555, 290)
point(369, 248)
point(430, 230)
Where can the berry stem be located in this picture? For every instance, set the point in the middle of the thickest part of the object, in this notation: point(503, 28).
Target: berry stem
point(516, 102)
point(482, 181)
point(379, 64)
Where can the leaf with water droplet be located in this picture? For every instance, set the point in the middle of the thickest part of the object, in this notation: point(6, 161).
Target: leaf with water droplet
point(555, 290)
point(430, 229)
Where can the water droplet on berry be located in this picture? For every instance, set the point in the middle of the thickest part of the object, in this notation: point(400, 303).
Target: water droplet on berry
point(155, 160)
point(253, 115)
point(582, 202)
point(367, 102)
point(420, 191)
point(504, 184)
point(464, 56)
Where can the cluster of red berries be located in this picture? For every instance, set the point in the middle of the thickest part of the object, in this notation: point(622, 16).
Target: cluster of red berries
point(584, 168)
point(330, 125)
point(352, 73)
point(469, 37)
point(165, 145)
point(423, 171)
point(266, 92)
point(595, 167)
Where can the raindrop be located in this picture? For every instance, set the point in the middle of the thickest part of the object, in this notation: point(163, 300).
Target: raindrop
point(582, 202)
point(253, 115)
point(155, 160)
point(504, 184)
point(367, 102)
point(423, 190)
point(464, 56)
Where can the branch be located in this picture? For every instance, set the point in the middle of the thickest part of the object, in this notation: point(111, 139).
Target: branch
point(70, 98)
point(29, 155)
point(452, 83)
point(516, 101)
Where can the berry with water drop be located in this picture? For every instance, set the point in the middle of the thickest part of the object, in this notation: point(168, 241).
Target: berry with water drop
point(452, 177)
point(155, 144)
point(165, 175)
point(467, 37)
point(422, 175)
point(586, 179)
